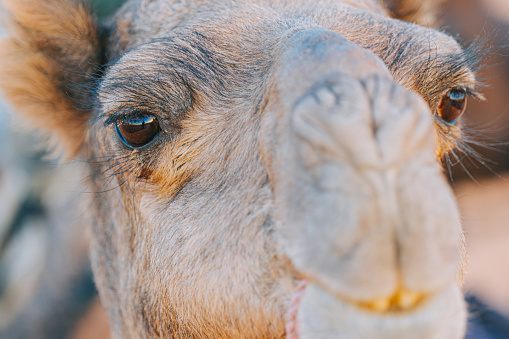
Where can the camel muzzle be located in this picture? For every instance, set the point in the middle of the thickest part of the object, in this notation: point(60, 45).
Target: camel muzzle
point(365, 214)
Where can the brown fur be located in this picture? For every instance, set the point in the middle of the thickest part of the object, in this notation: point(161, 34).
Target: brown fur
point(54, 46)
point(191, 235)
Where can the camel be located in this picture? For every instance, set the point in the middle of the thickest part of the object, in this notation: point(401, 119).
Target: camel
point(258, 169)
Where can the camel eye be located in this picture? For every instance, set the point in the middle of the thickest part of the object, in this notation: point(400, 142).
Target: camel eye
point(452, 106)
point(139, 130)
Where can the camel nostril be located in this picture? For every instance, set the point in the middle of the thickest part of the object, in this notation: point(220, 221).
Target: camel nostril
point(401, 301)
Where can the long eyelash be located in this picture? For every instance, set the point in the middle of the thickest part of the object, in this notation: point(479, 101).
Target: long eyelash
point(115, 165)
point(466, 146)
point(474, 94)
point(458, 161)
point(448, 164)
point(123, 116)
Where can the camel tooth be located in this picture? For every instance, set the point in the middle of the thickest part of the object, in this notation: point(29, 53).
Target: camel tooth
point(380, 305)
point(407, 299)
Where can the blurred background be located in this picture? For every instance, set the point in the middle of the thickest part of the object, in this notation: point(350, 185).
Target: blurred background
point(46, 287)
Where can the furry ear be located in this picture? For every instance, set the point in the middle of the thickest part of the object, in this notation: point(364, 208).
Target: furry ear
point(422, 12)
point(51, 48)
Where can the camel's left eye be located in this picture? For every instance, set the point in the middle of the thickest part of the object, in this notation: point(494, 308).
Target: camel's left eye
point(452, 106)
point(139, 130)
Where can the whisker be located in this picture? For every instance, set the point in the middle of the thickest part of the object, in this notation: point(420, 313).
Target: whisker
point(453, 153)
point(449, 167)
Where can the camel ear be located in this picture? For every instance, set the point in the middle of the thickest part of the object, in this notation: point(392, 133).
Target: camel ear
point(422, 12)
point(52, 47)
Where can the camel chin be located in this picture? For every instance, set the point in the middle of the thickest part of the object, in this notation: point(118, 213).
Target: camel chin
point(322, 315)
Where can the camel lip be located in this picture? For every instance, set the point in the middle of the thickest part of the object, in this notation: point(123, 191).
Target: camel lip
point(401, 304)
point(292, 323)
point(401, 301)
point(324, 314)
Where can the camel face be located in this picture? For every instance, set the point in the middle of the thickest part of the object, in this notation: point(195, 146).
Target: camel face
point(260, 169)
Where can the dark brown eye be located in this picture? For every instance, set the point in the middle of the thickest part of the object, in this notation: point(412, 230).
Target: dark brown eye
point(452, 106)
point(139, 130)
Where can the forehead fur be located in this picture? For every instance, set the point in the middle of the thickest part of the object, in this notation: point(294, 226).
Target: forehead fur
point(419, 58)
point(142, 20)
point(424, 60)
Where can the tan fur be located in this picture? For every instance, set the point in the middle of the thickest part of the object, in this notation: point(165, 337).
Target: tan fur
point(299, 141)
point(53, 46)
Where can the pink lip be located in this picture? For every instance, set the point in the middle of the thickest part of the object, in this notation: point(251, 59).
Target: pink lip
point(292, 323)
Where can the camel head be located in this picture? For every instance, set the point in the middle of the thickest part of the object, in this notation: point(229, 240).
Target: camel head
point(258, 169)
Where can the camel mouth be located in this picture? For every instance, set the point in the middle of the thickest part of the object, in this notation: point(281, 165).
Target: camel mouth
point(402, 301)
point(314, 310)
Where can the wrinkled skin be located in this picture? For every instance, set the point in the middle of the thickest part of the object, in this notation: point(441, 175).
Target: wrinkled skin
point(299, 142)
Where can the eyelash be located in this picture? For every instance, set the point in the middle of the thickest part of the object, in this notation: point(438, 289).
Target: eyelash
point(123, 118)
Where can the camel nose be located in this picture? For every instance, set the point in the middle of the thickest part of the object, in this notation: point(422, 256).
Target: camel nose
point(340, 92)
point(372, 122)
point(363, 208)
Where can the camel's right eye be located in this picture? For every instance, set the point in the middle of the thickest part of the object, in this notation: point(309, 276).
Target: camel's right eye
point(139, 130)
